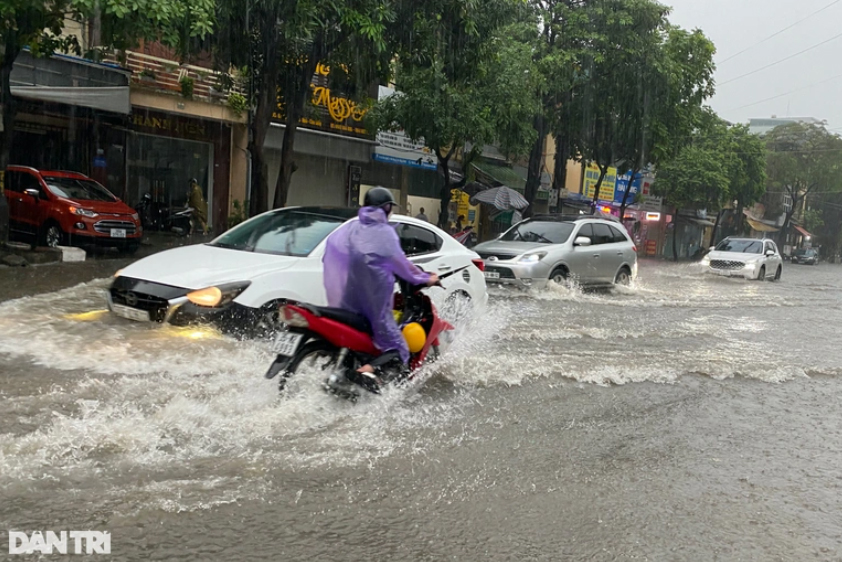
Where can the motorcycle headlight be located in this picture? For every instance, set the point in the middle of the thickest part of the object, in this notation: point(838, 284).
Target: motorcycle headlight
point(83, 212)
point(533, 258)
point(217, 295)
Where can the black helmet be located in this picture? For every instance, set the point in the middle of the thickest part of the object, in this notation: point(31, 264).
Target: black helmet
point(379, 197)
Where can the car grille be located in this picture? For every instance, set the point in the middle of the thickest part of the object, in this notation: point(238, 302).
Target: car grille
point(726, 264)
point(486, 255)
point(156, 306)
point(505, 273)
point(104, 227)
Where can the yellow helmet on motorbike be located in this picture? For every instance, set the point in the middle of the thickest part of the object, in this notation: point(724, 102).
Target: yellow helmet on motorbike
point(415, 336)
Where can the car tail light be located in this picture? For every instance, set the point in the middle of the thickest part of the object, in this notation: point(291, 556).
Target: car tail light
point(634, 247)
point(294, 318)
point(479, 263)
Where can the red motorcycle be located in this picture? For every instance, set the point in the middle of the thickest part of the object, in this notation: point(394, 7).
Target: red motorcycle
point(340, 342)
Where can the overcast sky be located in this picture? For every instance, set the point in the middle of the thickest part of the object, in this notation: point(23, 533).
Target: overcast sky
point(735, 25)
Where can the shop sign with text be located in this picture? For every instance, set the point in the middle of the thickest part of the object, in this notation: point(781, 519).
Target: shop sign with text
point(329, 111)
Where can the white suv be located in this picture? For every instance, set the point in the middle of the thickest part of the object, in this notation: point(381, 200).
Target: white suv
point(745, 257)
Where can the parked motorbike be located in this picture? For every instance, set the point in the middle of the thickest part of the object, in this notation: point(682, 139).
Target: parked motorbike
point(151, 213)
point(179, 222)
point(341, 342)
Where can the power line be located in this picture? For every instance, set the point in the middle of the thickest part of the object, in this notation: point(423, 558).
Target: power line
point(735, 55)
point(789, 93)
point(755, 71)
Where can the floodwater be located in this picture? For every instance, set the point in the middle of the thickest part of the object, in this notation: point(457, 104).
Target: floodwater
point(687, 418)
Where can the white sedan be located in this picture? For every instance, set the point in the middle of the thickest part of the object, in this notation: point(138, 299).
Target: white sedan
point(745, 257)
point(238, 280)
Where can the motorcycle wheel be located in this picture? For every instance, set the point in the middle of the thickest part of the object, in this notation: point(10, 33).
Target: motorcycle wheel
point(321, 352)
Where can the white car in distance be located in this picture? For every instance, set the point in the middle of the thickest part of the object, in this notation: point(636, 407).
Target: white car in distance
point(749, 258)
point(239, 280)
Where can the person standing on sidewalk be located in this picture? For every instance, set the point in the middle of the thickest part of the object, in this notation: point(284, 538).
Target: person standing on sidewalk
point(196, 201)
point(421, 216)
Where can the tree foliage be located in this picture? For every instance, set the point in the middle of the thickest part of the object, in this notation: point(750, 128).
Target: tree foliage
point(460, 80)
point(281, 43)
point(802, 159)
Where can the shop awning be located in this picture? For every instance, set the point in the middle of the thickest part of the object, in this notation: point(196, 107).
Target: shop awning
point(71, 81)
point(513, 177)
point(802, 231)
point(760, 227)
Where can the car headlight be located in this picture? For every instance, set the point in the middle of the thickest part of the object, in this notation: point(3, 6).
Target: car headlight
point(217, 295)
point(533, 258)
point(751, 266)
point(706, 260)
point(83, 212)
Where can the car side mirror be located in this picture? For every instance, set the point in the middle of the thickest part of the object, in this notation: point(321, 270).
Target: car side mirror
point(32, 193)
point(770, 253)
point(712, 248)
point(582, 241)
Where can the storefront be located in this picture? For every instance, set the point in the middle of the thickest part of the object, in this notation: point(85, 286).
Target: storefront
point(166, 151)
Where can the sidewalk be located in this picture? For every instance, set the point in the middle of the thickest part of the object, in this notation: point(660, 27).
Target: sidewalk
point(49, 276)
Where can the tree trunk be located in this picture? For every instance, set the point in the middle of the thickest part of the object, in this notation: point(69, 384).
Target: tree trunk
point(259, 201)
point(444, 194)
point(560, 168)
point(8, 104)
point(602, 172)
point(675, 237)
point(288, 165)
point(715, 227)
point(536, 157)
point(623, 205)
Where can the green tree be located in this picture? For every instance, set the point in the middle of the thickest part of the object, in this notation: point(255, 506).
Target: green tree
point(802, 159)
point(696, 178)
point(282, 42)
point(459, 80)
point(39, 25)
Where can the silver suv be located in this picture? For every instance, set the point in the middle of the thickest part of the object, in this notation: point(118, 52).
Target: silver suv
point(593, 251)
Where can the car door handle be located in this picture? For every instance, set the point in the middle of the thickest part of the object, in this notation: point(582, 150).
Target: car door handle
point(445, 268)
point(619, 253)
point(596, 256)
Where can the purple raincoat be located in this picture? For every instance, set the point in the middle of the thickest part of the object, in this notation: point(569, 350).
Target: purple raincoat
point(361, 261)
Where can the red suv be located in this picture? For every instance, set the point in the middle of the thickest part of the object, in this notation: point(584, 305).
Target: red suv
point(68, 208)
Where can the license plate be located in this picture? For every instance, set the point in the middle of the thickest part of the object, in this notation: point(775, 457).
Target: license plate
point(130, 313)
point(492, 275)
point(118, 233)
point(286, 343)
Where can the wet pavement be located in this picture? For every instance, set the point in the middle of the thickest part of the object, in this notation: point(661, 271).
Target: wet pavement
point(687, 418)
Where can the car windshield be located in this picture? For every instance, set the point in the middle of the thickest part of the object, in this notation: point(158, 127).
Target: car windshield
point(804, 253)
point(283, 233)
point(78, 189)
point(741, 246)
point(541, 232)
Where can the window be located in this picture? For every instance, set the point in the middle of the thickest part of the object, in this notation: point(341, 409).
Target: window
point(618, 235)
point(21, 181)
point(586, 231)
point(602, 234)
point(285, 233)
point(416, 240)
point(740, 246)
point(78, 189)
point(542, 232)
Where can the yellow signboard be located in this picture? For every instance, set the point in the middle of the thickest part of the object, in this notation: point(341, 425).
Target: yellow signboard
point(606, 190)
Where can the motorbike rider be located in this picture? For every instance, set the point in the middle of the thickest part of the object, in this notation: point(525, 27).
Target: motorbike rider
point(361, 261)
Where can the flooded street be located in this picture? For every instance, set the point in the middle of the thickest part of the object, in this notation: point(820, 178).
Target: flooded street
point(687, 418)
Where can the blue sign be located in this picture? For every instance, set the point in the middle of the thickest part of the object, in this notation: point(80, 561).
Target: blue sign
point(417, 163)
point(99, 162)
point(622, 184)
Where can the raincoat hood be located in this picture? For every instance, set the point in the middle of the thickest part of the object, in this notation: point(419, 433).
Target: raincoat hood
point(361, 261)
